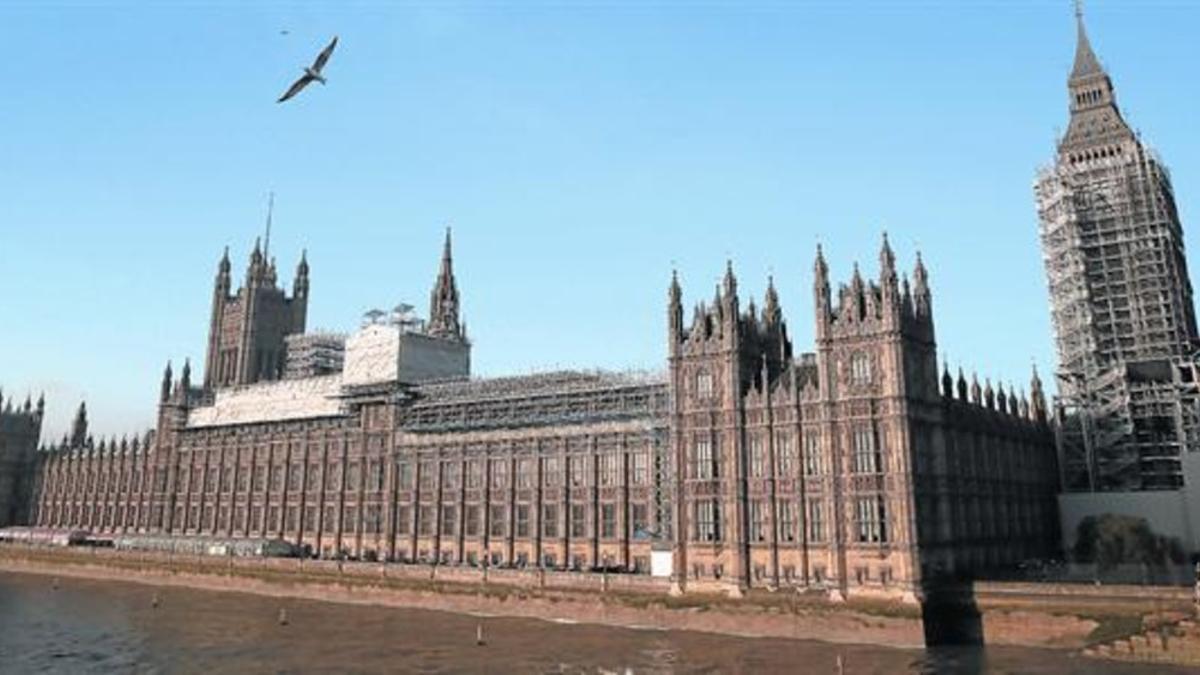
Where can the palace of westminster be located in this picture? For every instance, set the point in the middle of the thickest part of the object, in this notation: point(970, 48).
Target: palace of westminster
point(858, 466)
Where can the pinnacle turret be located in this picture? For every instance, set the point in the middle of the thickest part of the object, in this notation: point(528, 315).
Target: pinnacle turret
point(443, 299)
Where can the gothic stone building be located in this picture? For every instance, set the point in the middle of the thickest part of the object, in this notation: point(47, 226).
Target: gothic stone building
point(847, 468)
point(20, 429)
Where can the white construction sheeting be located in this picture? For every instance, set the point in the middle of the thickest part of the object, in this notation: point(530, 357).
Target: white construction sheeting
point(372, 355)
point(387, 353)
point(271, 401)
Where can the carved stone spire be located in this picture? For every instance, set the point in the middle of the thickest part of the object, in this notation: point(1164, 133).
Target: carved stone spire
point(79, 428)
point(223, 280)
point(443, 300)
point(675, 309)
point(772, 314)
point(165, 392)
point(300, 284)
point(922, 298)
point(1037, 402)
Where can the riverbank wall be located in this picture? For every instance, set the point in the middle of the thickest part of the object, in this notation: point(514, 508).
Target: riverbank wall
point(1008, 614)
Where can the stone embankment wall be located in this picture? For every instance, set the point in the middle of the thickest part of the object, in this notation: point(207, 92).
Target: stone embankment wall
point(618, 600)
point(1007, 613)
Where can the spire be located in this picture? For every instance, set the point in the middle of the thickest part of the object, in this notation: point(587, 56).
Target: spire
point(165, 393)
point(921, 296)
point(947, 381)
point(772, 314)
point(443, 300)
point(79, 428)
point(185, 376)
point(858, 297)
point(887, 262)
point(821, 298)
point(300, 284)
point(730, 282)
point(1037, 402)
point(1086, 63)
point(820, 269)
point(675, 309)
point(270, 212)
point(257, 263)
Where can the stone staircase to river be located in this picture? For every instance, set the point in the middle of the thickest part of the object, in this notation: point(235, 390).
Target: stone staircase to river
point(1175, 643)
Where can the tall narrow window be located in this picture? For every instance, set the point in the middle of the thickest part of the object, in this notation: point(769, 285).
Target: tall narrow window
point(551, 472)
point(403, 520)
point(704, 385)
point(866, 451)
point(705, 466)
point(707, 520)
point(641, 467)
point(497, 525)
point(759, 520)
point(610, 464)
point(475, 474)
point(758, 456)
point(870, 519)
point(405, 471)
point(816, 520)
point(641, 523)
point(525, 473)
point(522, 520)
point(608, 521)
point(787, 521)
point(785, 455)
point(425, 524)
point(451, 471)
point(814, 460)
point(860, 368)
point(579, 470)
point(499, 474)
point(426, 476)
point(472, 525)
point(578, 521)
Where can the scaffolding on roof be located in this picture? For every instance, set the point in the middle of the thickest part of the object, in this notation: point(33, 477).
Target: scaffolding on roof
point(313, 354)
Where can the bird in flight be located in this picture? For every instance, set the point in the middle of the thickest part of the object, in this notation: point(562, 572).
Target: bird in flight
point(311, 73)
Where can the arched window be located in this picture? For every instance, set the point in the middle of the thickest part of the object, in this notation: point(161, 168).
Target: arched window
point(704, 385)
point(860, 368)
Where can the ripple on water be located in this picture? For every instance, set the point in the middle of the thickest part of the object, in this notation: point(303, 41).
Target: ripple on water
point(90, 627)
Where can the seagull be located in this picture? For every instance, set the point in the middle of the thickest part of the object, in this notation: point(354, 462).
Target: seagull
point(311, 73)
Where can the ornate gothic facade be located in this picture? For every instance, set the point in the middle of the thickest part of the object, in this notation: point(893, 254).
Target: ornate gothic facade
point(850, 468)
point(847, 466)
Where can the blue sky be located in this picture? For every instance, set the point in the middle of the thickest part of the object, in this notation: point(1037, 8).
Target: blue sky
point(580, 151)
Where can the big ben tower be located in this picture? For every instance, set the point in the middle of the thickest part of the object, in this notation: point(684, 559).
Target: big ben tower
point(1121, 301)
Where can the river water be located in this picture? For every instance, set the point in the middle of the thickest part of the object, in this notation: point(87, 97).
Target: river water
point(80, 626)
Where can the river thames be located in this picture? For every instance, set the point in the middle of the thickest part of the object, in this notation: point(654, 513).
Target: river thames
point(70, 625)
